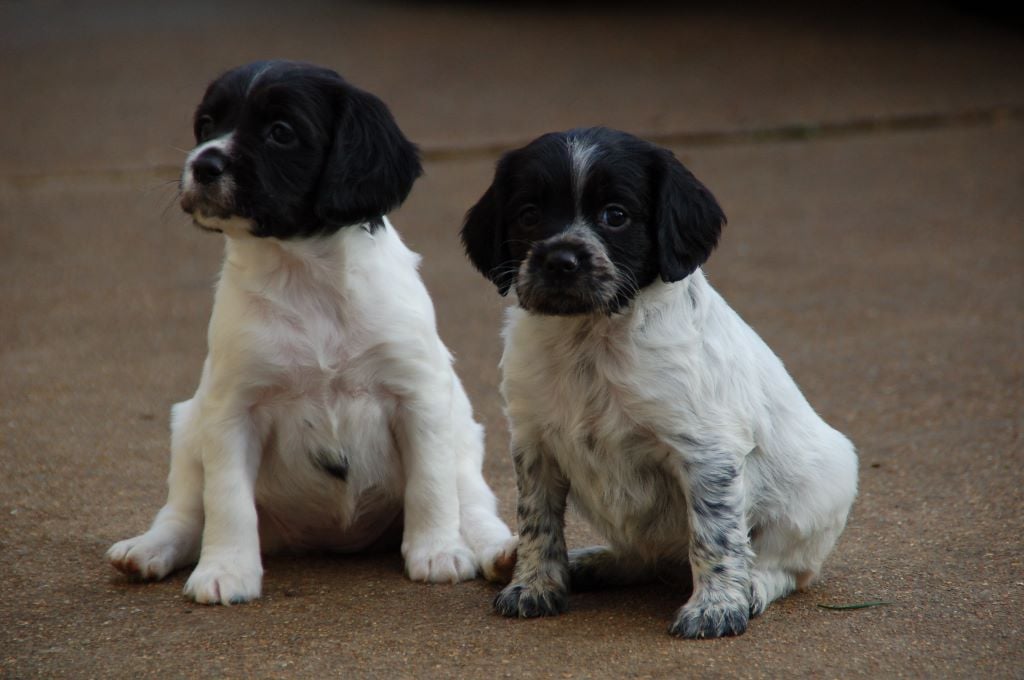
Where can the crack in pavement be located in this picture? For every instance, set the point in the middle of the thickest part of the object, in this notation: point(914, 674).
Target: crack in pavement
point(788, 132)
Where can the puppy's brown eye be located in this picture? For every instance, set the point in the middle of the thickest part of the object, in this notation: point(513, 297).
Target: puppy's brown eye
point(281, 133)
point(529, 216)
point(613, 216)
point(204, 128)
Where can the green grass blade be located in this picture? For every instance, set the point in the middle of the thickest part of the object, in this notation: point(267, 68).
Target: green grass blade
point(856, 605)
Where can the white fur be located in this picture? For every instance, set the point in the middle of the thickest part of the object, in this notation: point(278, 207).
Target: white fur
point(624, 402)
point(580, 156)
point(325, 343)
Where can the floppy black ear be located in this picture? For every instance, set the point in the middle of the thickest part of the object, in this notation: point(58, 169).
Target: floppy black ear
point(483, 237)
point(688, 220)
point(371, 166)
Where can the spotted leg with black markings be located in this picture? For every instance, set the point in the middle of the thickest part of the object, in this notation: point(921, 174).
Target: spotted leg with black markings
point(540, 584)
point(720, 554)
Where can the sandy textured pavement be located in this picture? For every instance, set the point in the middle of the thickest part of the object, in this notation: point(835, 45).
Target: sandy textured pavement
point(872, 168)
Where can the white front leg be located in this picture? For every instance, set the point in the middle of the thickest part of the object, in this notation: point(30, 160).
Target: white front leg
point(173, 539)
point(431, 545)
point(229, 569)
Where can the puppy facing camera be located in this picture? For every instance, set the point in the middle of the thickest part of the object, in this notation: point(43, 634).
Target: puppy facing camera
point(634, 391)
point(328, 415)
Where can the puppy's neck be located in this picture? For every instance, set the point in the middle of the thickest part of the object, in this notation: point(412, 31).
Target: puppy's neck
point(255, 259)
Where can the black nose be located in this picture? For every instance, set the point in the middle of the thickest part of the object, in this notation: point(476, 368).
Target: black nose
point(561, 261)
point(209, 166)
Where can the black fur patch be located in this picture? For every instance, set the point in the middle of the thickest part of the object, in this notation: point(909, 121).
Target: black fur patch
point(341, 158)
point(672, 220)
point(525, 602)
point(599, 567)
point(334, 463)
point(710, 621)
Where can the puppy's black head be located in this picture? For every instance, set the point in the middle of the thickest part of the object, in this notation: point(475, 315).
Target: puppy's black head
point(292, 150)
point(580, 221)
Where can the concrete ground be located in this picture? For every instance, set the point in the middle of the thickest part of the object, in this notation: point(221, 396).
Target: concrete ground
point(872, 167)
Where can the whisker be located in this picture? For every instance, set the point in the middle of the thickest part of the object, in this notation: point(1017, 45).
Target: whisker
point(157, 184)
point(504, 278)
point(165, 214)
point(504, 271)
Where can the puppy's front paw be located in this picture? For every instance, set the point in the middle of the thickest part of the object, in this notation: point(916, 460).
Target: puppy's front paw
point(438, 560)
point(150, 556)
point(224, 581)
point(529, 600)
point(498, 562)
point(707, 618)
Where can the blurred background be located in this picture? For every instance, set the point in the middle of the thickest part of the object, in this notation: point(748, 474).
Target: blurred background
point(869, 159)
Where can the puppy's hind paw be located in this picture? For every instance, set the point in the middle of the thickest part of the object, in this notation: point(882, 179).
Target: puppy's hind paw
point(146, 557)
point(529, 601)
point(498, 562)
point(758, 597)
point(710, 620)
point(436, 562)
point(224, 582)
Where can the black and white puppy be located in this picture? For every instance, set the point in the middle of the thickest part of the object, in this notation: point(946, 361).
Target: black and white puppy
point(327, 404)
point(634, 390)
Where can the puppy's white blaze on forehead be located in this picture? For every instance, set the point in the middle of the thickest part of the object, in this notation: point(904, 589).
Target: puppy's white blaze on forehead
point(581, 154)
point(255, 78)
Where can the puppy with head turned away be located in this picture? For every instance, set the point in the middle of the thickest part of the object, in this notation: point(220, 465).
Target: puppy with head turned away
point(328, 416)
point(633, 390)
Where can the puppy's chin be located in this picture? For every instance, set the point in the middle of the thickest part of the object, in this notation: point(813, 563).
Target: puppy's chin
point(232, 225)
point(562, 307)
point(211, 215)
point(212, 206)
point(577, 299)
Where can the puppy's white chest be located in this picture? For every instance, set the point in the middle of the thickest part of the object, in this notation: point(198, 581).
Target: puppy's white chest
point(573, 381)
point(330, 475)
point(319, 380)
point(591, 415)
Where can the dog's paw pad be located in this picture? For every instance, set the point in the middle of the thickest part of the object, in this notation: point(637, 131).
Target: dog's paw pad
point(526, 601)
point(711, 620)
point(223, 582)
point(440, 562)
point(499, 561)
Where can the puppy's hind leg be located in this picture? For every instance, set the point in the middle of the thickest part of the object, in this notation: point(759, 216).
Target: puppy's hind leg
point(599, 567)
point(173, 539)
point(768, 585)
point(785, 558)
point(487, 536)
point(790, 548)
point(788, 558)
